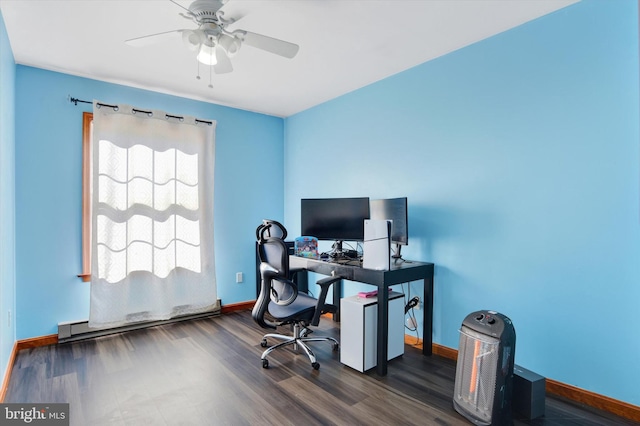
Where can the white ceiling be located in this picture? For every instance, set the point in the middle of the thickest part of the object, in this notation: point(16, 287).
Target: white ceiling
point(344, 44)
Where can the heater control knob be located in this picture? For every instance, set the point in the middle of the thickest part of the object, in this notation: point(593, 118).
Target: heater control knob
point(491, 321)
point(480, 317)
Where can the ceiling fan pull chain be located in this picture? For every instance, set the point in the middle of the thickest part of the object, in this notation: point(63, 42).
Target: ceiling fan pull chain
point(210, 77)
point(198, 64)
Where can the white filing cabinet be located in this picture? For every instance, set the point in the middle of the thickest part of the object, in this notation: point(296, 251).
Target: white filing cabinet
point(358, 327)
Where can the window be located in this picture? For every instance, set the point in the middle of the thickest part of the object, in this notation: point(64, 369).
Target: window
point(87, 126)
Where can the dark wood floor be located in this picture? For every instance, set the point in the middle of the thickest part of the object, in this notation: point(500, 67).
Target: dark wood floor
point(208, 372)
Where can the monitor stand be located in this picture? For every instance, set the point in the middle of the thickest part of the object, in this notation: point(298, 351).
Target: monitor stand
point(396, 254)
point(337, 252)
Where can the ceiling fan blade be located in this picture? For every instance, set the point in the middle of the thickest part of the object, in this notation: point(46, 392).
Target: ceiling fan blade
point(152, 38)
point(179, 5)
point(269, 44)
point(224, 64)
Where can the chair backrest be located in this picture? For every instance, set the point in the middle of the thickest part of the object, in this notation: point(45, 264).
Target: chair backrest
point(274, 283)
point(276, 254)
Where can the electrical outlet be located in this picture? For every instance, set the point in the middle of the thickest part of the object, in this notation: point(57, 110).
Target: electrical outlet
point(239, 277)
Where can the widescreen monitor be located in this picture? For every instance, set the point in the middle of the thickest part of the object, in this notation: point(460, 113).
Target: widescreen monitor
point(334, 219)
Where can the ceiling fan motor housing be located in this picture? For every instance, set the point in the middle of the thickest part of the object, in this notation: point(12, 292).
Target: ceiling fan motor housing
point(206, 10)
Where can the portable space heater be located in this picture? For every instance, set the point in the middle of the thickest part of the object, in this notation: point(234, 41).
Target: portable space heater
point(484, 372)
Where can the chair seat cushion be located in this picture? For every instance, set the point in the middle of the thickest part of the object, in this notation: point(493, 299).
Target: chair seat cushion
point(302, 308)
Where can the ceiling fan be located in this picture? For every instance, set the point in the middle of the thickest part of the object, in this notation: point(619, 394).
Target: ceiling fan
point(213, 42)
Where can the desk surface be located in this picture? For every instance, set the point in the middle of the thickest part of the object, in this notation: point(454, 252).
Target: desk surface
point(401, 271)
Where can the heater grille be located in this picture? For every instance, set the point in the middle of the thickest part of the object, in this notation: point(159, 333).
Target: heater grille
point(476, 373)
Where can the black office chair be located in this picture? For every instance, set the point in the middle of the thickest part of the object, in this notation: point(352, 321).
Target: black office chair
point(279, 297)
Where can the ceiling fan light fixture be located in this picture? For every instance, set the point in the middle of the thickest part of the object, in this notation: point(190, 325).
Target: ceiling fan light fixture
point(230, 44)
point(191, 39)
point(207, 53)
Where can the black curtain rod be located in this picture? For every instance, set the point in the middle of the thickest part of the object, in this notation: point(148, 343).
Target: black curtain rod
point(76, 100)
point(149, 113)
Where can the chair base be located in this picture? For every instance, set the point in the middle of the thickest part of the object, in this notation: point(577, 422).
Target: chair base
point(298, 339)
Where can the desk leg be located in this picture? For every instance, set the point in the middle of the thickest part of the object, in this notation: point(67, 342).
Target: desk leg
point(383, 330)
point(337, 294)
point(427, 316)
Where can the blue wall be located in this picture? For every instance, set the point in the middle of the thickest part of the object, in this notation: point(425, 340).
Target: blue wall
point(520, 159)
point(48, 191)
point(7, 199)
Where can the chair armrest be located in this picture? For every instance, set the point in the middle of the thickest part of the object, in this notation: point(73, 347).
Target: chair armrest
point(268, 294)
point(324, 284)
point(268, 275)
point(327, 281)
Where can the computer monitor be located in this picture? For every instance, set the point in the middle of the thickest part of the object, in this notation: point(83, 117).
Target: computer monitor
point(394, 209)
point(334, 219)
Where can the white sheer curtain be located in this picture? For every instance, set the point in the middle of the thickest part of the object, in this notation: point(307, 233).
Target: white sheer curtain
point(152, 216)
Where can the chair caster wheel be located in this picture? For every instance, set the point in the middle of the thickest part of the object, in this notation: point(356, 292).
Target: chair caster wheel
point(315, 365)
point(265, 363)
point(263, 343)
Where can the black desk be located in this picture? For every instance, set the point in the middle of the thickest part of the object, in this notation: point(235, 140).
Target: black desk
point(401, 272)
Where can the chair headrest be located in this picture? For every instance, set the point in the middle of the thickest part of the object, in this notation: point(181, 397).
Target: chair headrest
point(270, 228)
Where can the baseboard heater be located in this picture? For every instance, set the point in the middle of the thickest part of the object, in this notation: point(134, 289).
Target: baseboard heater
point(78, 330)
